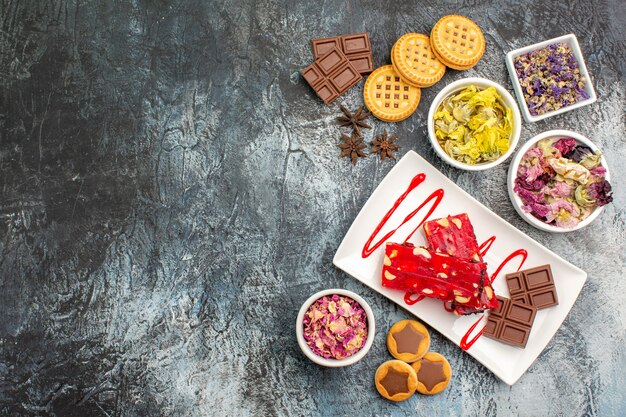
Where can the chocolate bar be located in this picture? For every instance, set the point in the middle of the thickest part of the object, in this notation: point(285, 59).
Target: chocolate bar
point(534, 287)
point(511, 322)
point(331, 75)
point(356, 47)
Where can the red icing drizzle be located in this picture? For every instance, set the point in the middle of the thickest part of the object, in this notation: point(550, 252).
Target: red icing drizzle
point(437, 196)
point(465, 344)
point(520, 252)
point(408, 298)
point(486, 245)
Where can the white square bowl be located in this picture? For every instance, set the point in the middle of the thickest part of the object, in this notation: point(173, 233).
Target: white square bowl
point(573, 43)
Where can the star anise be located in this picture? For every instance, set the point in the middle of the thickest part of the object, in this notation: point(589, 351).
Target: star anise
point(384, 145)
point(352, 146)
point(356, 120)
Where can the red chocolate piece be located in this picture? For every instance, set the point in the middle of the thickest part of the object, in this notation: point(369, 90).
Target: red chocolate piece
point(534, 287)
point(511, 322)
point(453, 235)
point(437, 275)
point(356, 47)
point(331, 75)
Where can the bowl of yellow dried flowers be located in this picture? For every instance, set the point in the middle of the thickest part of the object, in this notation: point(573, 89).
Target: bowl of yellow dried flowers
point(474, 124)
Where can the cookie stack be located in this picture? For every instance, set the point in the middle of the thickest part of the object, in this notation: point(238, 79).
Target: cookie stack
point(392, 92)
point(415, 368)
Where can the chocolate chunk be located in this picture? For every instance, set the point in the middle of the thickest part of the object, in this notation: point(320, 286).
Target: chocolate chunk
point(534, 287)
point(331, 75)
point(356, 47)
point(511, 322)
point(431, 374)
point(395, 382)
point(408, 340)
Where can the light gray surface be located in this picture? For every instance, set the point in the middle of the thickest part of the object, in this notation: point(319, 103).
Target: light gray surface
point(170, 193)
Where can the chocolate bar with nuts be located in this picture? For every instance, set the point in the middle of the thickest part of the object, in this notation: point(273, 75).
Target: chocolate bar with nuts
point(331, 75)
point(356, 47)
point(534, 287)
point(511, 322)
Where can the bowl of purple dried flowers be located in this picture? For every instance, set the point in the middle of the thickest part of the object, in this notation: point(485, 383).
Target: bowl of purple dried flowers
point(550, 78)
point(559, 181)
point(335, 328)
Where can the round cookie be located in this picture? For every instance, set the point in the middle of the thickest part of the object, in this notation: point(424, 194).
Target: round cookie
point(457, 42)
point(395, 380)
point(433, 373)
point(388, 97)
point(408, 340)
point(414, 60)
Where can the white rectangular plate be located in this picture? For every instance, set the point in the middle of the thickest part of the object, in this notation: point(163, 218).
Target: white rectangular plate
point(507, 362)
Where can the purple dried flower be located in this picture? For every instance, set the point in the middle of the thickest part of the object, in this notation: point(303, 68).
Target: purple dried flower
point(578, 153)
point(601, 191)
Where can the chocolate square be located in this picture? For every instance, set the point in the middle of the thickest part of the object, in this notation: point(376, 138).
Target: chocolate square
point(344, 77)
point(312, 75)
point(331, 61)
point(515, 282)
point(362, 62)
point(323, 45)
point(359, 42)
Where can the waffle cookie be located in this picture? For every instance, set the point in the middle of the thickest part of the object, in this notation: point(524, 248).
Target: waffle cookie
point(457, 42)
point(388, 97)
point(415, 62)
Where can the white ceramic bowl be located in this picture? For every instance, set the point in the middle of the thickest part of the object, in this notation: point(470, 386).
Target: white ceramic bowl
point(507, 101)
point(517, 201)
point(573, 43)
point(335, 363)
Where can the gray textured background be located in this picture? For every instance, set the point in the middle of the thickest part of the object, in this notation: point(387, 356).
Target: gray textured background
point(170, 193)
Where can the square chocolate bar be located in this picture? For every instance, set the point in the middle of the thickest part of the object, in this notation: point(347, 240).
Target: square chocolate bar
point(331, 75)
point(533, 286)
point(356, 47)
point(511, 322)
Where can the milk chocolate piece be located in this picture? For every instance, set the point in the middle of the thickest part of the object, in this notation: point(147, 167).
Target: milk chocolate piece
point(511, 322)
point(395, 382)
point(534, 287)
point(431, 374)
point(408, 339)
point(356, 47)
point(331, 75)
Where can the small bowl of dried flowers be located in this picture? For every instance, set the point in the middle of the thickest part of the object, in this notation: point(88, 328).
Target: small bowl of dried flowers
point(559, 181)
point(474, 124)
point(550, 78)
point(335, 328)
